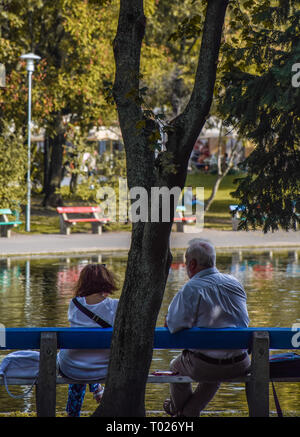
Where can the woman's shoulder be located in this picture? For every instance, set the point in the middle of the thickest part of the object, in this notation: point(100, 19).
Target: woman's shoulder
point(111, 302)
point(107, 302)
point(107, 309)
point(82, 300)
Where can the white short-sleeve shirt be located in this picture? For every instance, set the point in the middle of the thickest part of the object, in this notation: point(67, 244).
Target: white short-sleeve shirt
point(87, 363)
point(210, 299)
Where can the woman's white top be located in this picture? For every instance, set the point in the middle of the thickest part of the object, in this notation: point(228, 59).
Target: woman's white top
point(87, 364)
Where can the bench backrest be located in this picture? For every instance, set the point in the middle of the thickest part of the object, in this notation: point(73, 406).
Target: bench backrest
point(77, 209)
point(237, 208)
point(202, 338)
point(6, 211)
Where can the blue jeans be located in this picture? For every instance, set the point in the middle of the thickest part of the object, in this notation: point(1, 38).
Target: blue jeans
point(75, 398)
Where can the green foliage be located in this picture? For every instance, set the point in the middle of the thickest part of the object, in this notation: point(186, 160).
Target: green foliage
point(88, 169)
point(12, 169)
point(74, 78)
point(74, 40)
point(258, 98)
point(169, 54)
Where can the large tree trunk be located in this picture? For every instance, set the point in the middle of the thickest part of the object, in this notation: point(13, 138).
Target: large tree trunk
point(131, 354)
point(149, 256)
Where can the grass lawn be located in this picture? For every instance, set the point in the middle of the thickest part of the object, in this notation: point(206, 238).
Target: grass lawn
point(218, 216)
point(46, 220)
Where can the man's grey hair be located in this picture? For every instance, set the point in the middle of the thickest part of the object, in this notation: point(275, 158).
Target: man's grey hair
point(202, 251)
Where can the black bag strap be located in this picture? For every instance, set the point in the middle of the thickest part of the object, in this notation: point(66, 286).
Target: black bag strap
point(91, 315)
point(277, 404)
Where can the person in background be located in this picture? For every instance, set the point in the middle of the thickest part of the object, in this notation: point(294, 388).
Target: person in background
point(92, 290)
point(209, 299)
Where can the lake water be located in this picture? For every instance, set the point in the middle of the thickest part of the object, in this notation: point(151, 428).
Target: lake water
point(35, 292)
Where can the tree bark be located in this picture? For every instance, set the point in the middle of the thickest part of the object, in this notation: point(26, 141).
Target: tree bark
point(149, 256)
point(46, 164)
point(73, 182)
point(53, 181)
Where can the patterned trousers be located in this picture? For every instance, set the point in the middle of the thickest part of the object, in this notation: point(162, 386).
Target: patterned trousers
point(76, 396)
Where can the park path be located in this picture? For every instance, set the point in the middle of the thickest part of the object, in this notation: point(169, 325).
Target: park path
point(35, 244)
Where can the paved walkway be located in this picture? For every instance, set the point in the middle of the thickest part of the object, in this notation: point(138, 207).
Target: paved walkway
point(20, 244)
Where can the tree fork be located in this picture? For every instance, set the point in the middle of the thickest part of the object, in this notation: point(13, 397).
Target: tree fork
point(149, 256)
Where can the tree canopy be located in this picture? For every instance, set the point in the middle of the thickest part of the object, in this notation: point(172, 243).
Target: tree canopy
point(12, 168)
point(259, 99)
point(74, 40)
point(69, 37)
point(71, 83)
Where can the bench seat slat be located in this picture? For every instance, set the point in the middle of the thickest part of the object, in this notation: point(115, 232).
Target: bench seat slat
point(152, 379)
point(86, 220)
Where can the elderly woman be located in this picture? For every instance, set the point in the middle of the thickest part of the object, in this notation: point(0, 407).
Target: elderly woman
point(92, 291)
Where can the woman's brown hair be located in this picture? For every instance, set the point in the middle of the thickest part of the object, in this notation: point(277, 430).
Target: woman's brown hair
point(95, 278)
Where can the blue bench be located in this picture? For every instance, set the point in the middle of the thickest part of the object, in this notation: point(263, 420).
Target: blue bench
point(48, 340)
point(235, 211)
point(7, 223)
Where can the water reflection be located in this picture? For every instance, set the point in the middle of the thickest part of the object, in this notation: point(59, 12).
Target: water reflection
point(37, 291)
point(8, 274)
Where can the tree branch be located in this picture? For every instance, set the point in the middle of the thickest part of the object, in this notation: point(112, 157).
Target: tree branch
point(194, 116)
point(127, 51)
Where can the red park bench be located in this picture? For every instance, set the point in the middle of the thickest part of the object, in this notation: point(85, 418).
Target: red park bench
point(180, 219)
point(179, 222)
point(71, 215)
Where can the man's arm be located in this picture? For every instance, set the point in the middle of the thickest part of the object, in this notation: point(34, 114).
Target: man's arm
point(181, 310)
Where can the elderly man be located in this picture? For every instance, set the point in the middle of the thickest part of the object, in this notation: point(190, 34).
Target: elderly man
point(209, 299)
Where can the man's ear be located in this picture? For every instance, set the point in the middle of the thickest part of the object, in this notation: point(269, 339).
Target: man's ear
point(193, 264)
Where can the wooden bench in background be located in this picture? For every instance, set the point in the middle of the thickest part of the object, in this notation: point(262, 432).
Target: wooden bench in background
point(71, 215)
point(179, 222)
point(235, 211)
point(6, 223)
point(48, 340)
point(180, 219)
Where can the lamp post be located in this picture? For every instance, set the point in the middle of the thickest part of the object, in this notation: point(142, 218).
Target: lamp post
point(30, 58)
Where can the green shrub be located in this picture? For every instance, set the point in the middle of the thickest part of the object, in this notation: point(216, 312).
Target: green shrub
point(13, 168)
